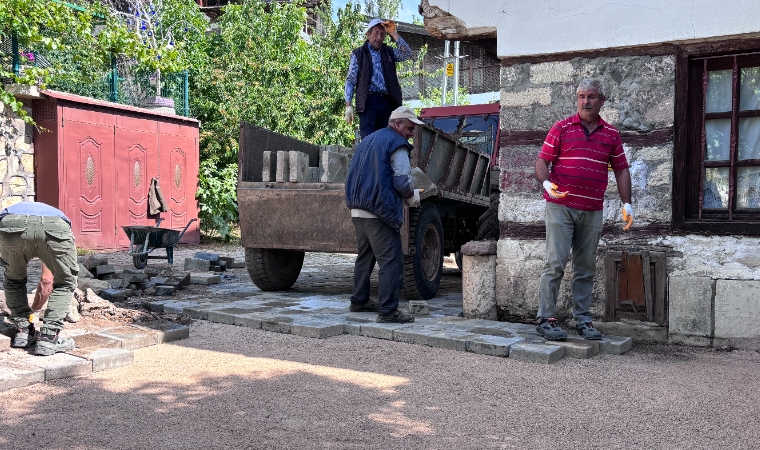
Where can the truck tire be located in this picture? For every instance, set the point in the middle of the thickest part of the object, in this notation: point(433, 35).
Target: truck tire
point(488, 222)
point(273, 269)
point(423, 269)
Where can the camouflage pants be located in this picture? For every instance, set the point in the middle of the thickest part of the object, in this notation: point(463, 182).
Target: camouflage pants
point(23, 237)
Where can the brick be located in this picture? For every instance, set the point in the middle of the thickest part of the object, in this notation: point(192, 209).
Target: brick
point(299, 167)
point(283, 167)
point(197, 265)
point(204, 278)
point(536, 353)
point(131, 337)
point(419, 307)
point(615, 345)
point(268, 167)
point(333, 167)
point(101, 271)
point(165, 290)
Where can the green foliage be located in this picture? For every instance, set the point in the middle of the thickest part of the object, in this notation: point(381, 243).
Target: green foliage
point(217, 196)
point(432, 97)
point(383, 9)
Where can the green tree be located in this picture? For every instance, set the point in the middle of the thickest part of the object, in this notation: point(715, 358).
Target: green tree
point(384, 9)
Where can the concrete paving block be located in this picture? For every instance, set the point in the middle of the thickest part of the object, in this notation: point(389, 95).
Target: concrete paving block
point(173, 307)
point(197, 265)
point(283, 167)
point(615, 345)
point(106, 358)
point(5, 343)
point(381, 330)
point(96, 285)
point(14, 374)
point(299, 167)
point(179, 280)
point(316, 329)
point(228, 261)
point(579, 348)
point(164, 290)
point(353, 325)
point(60, 365)
point(268, 167)
point(451, 340)
point(116, 295)
point(90, 341)
point(221, 317)
point(211, 257)
point(334, 167)
point(277, 325)
point(413, 335)
point(197, 312)
point(134, 277)
point(238, 265)
point(314, 175)
point(491, 345)
point(419, 307)
point(167, 331)
point(250, 320)
point(131, 336)
point(90, 261)
point(117, 283)
point(100, 271)
point(204, 278)
point(536, 353)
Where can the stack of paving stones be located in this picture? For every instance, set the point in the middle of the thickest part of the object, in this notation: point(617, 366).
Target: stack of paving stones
point(94, 352)
point(323, 316)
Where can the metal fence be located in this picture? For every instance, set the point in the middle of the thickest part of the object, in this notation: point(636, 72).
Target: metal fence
point(123, 82)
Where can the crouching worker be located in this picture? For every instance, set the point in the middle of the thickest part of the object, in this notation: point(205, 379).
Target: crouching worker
point(29, 230)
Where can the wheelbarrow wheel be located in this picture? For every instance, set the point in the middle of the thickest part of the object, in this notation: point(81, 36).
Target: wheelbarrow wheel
point(140, 261)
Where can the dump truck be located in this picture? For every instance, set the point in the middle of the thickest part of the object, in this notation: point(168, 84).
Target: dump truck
point(286, 211)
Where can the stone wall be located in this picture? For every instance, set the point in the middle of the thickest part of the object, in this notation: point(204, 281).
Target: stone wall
point(16, 158)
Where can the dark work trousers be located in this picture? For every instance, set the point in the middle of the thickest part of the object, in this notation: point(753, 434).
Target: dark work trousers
point(376, 113)
point(378, 242)
point(24, 237)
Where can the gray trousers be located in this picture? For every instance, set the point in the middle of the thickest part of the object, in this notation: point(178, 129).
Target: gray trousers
point(50, 239)
point(566, 229)
point(378, 242)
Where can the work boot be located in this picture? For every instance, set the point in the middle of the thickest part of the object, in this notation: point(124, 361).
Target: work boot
point(549, 329)
point(396, 316)
point(587, 330)
point(367, 306)
point(50, 344)
point(25, 337)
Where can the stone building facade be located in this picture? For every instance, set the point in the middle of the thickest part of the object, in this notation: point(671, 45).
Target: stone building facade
point(689, 270)
point(16, 158)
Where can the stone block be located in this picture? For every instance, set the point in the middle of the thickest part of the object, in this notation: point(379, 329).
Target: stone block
point(381, 330)
point(276, 325)
point(102, 270)
point(333, 167)
point(299, 167)
point(204, 278)
point(536, 353)
point(615, 345)
point(690, 306)
point(491, 345)
point(14, 374)
point(167, 331)
point(268, 167)
point(90, 341)
point(194, 312)
point(579, 348)
point(221, 317)
point(737, 314)
point(314, 174)
point(165, 290)
point(131, 337)
point(316, 328)
point(60, 365)
point(419, 307)
point(134, 277)
point(5, 343)
point(283, 167)
point(451, 340)
point(116, 295)
point(212, 257)
point(179, 280)
point(215, 269)
point(479, 287)
point(412, 335)
point(106, 358)
point(479, 248)
point(197, 265)
point(83, 272)
point(117, 283)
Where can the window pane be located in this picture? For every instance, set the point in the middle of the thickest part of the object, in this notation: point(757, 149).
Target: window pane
point(749, 138)
point(749, 88)
point(718, 91)
point(748, 188)
point(716, 188)
point(717, 139)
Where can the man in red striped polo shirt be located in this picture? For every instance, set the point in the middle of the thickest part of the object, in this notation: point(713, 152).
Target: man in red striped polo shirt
point(579, 150)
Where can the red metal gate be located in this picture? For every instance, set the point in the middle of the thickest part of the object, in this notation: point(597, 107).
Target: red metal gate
point(98, 164)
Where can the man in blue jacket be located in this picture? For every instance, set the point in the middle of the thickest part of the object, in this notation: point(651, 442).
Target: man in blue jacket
point(29, 230)
point(378, 181)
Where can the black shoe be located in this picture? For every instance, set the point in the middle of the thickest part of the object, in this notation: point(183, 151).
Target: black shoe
point(549, 329)
point(25, 337)
point(48, 345)
point(367, 306)
point(587, 330)
point(396, 317)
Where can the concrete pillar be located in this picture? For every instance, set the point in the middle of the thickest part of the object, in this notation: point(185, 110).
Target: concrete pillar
point(283, 166)
point(299, 167)
point(479, 280)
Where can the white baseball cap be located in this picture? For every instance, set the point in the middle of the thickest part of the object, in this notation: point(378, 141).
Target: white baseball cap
point(373, 23)
point(404, 112)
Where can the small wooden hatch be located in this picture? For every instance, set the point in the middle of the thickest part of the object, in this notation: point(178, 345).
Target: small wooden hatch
point(635, 285)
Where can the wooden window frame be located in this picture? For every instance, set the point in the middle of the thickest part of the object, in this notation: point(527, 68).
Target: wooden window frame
point(688, 164)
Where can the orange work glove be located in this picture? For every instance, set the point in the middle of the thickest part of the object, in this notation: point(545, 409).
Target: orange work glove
point(390, 26)
point(627, 216)
point(551, 189)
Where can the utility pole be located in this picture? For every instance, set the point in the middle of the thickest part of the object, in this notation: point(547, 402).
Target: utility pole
point(445, 72)
point(456, 73)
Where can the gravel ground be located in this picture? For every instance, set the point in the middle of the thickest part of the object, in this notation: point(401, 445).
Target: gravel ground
point(234, 387)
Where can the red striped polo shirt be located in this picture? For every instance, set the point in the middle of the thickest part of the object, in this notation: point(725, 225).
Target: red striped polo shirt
point(579, 162)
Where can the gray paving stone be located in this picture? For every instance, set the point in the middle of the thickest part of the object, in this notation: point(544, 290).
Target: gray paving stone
point(105, 269)
point(615, 345)
point(174, 307)
point(353, 325)
point(168, 331)
point(413, 335)
point(14, 374)
point(579, 348)
point(131, 337)
point(107, 358)
point(450, 340)
point(491, 345)
point(381, 330)
point(197, 265)
point(116, 295)
point(165, 291)
point(276, 325)
point(204, 278)
point(252, 320)
point(221, 317)
point(536, 353)
point(134, 277)
point(419, 307)
point(5, 343)
point(316, 329)
point(197, 312)
point(60, 365)
point(91, 341)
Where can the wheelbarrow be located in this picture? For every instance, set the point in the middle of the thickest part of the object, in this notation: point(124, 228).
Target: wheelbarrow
point(143, 240)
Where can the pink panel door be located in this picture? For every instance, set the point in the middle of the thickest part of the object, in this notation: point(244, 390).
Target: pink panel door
point(89, 175)
point(137, 160)
point(179, 175)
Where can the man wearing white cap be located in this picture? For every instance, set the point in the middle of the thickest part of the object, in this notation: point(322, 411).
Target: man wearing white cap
point(372, 75)
point(378, 181)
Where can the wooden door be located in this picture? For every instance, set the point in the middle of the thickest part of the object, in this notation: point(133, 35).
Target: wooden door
point(88, 154)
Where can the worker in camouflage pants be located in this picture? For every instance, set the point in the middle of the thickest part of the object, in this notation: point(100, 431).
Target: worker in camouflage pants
point(29, 230)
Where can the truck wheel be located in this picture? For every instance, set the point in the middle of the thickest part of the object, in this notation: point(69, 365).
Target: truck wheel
point(423, 269)
point(488, 222)
point(273, 269)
